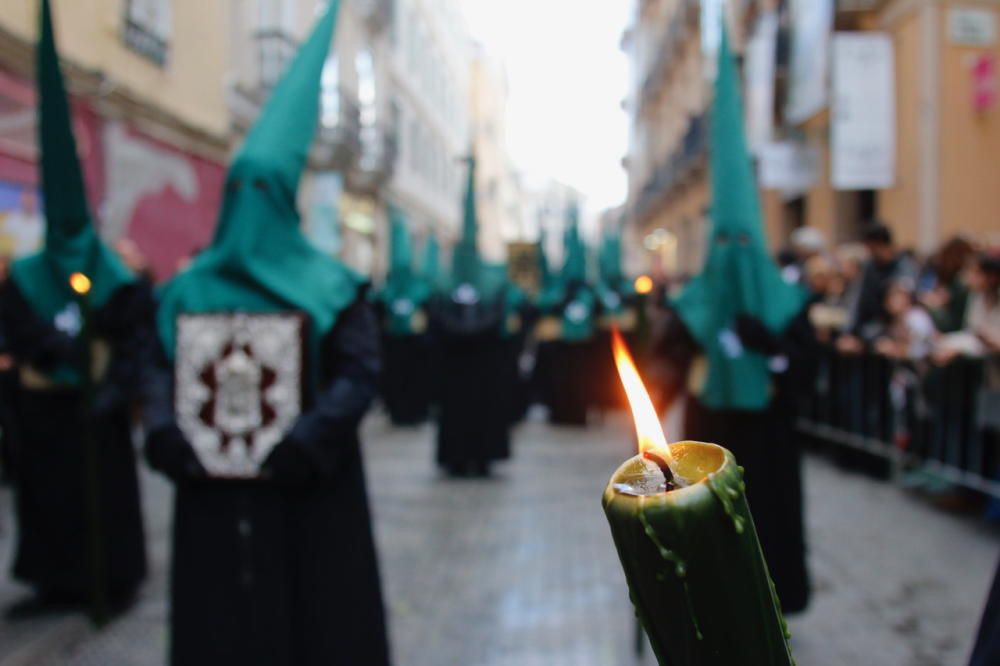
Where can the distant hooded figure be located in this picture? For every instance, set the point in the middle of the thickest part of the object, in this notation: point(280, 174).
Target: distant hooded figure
point(739, 332)
point(619, 307)
point(568, 360)
point(44, 324)
point(402, 302)
point(270, 361)
point(467, 324)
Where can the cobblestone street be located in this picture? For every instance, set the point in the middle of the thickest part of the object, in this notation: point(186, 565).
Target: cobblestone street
point(519, 570)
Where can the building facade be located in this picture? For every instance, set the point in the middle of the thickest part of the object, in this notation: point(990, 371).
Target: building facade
point(164, 90)
point(856, 110)
point(426, 69)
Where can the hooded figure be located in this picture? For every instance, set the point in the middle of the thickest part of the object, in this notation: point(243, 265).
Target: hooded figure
point(619, 306)
point(567, 362)
point(48, 332)
point(467, 326)
point(279, 569)
point(406, 378)
point(738, 332)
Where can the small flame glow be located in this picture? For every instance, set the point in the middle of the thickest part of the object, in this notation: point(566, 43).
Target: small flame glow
point(80, 283)
point(647, 423)
point(644, 284)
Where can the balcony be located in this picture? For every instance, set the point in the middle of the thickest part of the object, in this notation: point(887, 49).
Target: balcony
point(338, 142)
point(686, 162)
point(261, 64)
point(376, 162)
point(681, 25)
point(377, 14)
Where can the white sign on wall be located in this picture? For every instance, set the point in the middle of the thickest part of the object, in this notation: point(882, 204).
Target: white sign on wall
point(760, 62)
point(791, 167)
point(812, 21)
point(972, 26)
point(863, 112)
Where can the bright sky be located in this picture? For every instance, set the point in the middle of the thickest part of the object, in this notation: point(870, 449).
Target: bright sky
point(567, 78)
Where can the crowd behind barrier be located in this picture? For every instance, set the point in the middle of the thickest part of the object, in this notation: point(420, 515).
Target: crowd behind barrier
point(934, 418)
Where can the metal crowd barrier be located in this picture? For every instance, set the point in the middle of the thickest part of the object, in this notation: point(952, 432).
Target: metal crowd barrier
point(916, 415)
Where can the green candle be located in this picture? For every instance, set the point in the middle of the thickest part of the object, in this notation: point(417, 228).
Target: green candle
point(686, 540)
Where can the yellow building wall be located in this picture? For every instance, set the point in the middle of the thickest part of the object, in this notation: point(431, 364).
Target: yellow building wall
point(969, 169)
point(899, 206)
point(190, 87)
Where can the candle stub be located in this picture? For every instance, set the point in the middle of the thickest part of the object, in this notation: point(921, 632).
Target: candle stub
point(648, 475)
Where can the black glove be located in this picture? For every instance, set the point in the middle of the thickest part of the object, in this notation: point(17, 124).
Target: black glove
point(756, 336)
point(168, 452)
point(289, 465)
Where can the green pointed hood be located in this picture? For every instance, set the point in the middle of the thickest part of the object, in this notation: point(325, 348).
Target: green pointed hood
point(71, 243)
point(430, 266)
point(466, 266)
point(612, 283)
point(403, 291)
point(260, 261)
point(575, 259)
point(400, 249)
point(739, 276)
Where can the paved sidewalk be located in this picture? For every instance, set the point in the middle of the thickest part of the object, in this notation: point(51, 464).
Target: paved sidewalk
point(520, 570)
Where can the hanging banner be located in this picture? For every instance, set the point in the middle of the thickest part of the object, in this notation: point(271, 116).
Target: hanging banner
point(760, 62)
point(863, 118)
point(791, 167)
point(812, 22)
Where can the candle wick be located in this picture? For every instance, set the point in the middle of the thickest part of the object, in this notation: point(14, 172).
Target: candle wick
point(664, 466)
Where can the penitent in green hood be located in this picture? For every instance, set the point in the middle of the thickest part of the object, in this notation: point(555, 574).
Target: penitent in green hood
point(260, 261)
point(739, 276)
point(71, 243)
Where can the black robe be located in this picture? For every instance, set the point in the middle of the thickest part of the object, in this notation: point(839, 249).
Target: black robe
point(281, 572)
point(986, 652)
point(569, 369)
point(765, 444)
point(406, 381)
point(49, 478)
point(474, 377)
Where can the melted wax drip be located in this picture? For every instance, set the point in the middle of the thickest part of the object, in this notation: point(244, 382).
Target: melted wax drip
point(679, 566)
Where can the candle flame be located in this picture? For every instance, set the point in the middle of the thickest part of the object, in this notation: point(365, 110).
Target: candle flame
point(80, 283)
point(644, 284)
point(647, 423)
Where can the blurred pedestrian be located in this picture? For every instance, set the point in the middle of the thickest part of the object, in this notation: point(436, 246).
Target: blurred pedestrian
point(740, 332)
point(65, 516)
point(402, 308)
point(806, 242)
point(947, 300)
point(886, 263)
point(468, 318)
point(276, 350)
point(908, 332)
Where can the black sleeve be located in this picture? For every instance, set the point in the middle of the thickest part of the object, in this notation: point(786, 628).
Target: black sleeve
point(326, 433)
point(127, 323)
point(30, 338)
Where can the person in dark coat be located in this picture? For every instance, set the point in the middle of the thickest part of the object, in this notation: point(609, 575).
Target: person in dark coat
point(62, 509)
point(468, 317)
point(273, 563)
point(407, 376)
point(736, 330)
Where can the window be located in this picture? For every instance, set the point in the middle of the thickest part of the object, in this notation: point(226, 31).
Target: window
point(147, 28)
point(274, 38)
point(329, 100)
